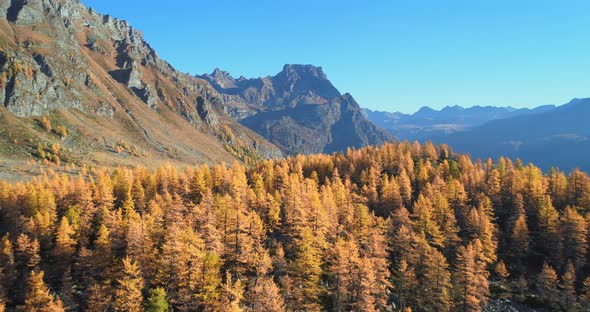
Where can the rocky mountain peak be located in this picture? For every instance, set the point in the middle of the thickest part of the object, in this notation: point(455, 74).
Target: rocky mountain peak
point(28, 12)
point(298, 70)
point(297, 79)
point(222, 78)
point(221, 74)
point(299, 110)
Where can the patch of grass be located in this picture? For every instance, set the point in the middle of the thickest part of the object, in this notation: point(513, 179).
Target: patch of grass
point(54, 124)
point(122, 147)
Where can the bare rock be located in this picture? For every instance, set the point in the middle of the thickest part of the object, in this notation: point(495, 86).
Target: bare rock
point(146, 95)
point(4, 6)
point(206, 112)
point(25, 12)
point(131, 77)
point(299, 110)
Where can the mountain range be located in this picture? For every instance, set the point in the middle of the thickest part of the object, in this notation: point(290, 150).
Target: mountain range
point(547, 136)
point(85, 88)
point(428, 122)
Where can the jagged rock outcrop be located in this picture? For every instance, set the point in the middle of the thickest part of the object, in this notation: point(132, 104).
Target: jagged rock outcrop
point(298, 110)
point(71, 29)
point(25, 12)
point(59, 55)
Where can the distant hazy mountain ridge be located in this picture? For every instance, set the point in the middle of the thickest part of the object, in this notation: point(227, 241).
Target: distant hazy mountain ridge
point(559, 137)
point(547, 135)
point(428, 122)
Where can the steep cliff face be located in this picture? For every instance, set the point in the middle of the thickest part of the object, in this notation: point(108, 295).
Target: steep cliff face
point(298, 110)
point(98, 75)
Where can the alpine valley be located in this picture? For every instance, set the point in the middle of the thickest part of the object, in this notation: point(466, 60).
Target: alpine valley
point(129, 186)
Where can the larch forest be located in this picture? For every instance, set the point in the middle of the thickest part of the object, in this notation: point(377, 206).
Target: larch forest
point(402, 227)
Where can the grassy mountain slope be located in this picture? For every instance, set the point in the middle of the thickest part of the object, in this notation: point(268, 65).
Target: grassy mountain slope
point(113, 99)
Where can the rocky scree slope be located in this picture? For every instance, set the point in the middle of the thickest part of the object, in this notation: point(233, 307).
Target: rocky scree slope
point(115, 101)
point(299, 110)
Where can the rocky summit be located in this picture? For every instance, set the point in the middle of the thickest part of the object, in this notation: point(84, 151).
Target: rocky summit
point(299, 110)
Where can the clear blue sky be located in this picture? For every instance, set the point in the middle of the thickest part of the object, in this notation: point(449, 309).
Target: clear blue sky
point(390, 55)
